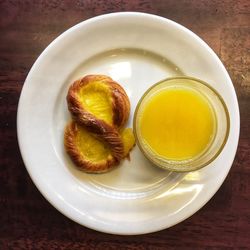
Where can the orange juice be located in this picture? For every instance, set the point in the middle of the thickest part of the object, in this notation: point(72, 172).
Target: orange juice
point(177, 123)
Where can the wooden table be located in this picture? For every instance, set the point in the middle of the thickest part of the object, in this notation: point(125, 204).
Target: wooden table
point(27, 220)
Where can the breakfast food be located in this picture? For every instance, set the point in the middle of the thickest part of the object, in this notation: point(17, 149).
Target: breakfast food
point(98, 99)
point(181, 124)
point(100, 104)
point(96, 140)
point(177, 123)
point(87, 151)
point(90, 152)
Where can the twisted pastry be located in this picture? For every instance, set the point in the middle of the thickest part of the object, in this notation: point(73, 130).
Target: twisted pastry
point(100, 108)
point(83, 146)
point(83, 97)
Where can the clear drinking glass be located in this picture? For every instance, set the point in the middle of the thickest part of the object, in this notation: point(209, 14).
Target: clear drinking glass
point(222, 125)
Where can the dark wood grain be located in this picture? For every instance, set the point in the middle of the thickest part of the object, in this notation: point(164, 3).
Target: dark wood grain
point(27, 220)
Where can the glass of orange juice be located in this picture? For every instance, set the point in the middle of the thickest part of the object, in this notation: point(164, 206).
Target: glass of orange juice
point(181, 124)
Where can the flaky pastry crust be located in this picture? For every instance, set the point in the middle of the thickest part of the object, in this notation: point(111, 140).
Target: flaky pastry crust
point(120, 101)
point(120, 111)
point(96, 140)
point(78, 157)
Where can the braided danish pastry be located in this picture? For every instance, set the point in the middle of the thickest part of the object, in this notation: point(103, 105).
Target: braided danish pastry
point(97, 141)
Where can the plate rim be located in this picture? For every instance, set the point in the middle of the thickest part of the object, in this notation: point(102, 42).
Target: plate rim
point(24, 155)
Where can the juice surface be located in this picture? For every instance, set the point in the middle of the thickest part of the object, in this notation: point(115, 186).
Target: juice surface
point(177, 123)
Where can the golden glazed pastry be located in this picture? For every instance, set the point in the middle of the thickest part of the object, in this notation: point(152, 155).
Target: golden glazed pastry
point(86, 150)
point(100, 104)
point(89, 152)
point(96, 98)
point(96, 140)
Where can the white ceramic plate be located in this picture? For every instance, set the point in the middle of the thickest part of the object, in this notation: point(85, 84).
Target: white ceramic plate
point(137, 50)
